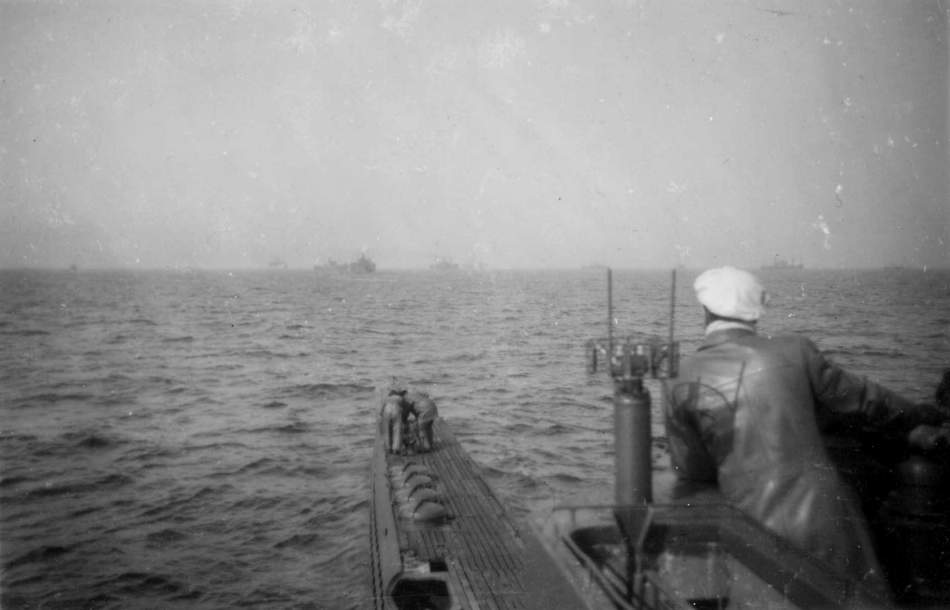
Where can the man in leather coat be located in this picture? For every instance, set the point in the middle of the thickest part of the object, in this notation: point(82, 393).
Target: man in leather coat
point(747, 411)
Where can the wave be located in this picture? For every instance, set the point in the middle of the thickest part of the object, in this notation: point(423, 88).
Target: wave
point(143, 584)
point(142, 321)
point(213, 446)
point(198, 500)
point(512, 477)
point(14, 480)
point(557, 428)
point(465, 357)
point(20, 438)
point(165, 536)
point(91, 440)
point(865, 350)
point(564, 477)
point(26, 332)
point(520, 429)
point(83, 511)
point(39, 554)
point(54, 397)
point(112, 481)
point(299, 541)
point(327, 390)
point(255, 504)
point(264, 353)
point(262, 466)
point(95, 442)
point(159, 379)
point(182, 339)
point(296, 427)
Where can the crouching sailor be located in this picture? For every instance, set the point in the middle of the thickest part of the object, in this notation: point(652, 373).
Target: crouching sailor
point(393, 419)
point(425, 412)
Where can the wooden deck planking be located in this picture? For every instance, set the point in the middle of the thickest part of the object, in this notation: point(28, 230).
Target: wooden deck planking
point(490, 543)
point(492, 565)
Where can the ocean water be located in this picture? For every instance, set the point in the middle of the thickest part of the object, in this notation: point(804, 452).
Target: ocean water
point(203, 439)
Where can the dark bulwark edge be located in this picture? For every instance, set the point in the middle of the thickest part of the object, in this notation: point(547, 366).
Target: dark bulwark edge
point(476, 556)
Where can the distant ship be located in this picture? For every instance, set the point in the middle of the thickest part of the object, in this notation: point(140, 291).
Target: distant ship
point(443, 264)
point(276, 263)
point(363, 264)
point(781, 263)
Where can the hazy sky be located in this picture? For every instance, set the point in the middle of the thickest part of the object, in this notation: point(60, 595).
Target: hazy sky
point(507, 133)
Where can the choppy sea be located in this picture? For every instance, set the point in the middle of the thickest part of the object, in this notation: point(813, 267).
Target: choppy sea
point(201, 439)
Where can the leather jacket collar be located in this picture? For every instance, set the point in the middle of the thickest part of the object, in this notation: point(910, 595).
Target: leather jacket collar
point(726, 335)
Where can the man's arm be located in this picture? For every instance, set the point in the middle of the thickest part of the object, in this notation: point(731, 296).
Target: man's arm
point(688, 453)
point(854, 398)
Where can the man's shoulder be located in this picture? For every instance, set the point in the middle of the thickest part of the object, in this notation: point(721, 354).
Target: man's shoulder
point(791, 340)
point(782, 346)
point(726, 340)
point(751, 350)
point(786, 337)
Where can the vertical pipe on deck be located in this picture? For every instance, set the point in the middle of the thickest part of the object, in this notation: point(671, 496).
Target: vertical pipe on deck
point(633, 468)
point(632, 444)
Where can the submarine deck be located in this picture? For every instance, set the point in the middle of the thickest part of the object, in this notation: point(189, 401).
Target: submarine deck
point(487, 559)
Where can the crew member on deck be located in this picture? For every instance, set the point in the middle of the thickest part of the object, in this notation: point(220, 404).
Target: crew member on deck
point(747, 411)
point(425, 411)
point(393, 420)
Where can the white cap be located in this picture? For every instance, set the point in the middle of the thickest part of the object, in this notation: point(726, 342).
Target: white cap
point(731, 293)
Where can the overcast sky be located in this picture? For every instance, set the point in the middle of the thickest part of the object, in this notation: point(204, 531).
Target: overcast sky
point(505, 133)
